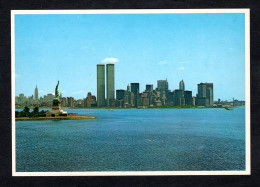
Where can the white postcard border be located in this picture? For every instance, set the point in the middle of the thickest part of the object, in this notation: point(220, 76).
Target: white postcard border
point(246, 11)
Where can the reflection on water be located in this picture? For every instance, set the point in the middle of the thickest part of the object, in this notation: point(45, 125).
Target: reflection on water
point(134, 140)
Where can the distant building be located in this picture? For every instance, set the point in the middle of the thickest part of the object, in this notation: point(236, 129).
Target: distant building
point(205, 94)
point(70, 102)
point(179, 97)
point(90, 101)
point(170, 98)
point(145, 99)
point(30, 99)
point(63, 101)
point(100, 85)
point(181, 85)
point(120, 94)
point(48, 98)
point(110, 84)
point(149, 88)
point(128, 98)
point(188, 97)
point(162, 85)
point(194, 100)
point(120, 97)
point(79, 103)
point(128, 88)
point(21, 99)
point(135, 91)
point(36, 94)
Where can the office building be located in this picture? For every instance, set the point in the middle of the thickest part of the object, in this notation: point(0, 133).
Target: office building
point(170, 98)
point(162, 85)
point(205, 94)
point(21, 98)
point(181, 85)
point(188, 97)
point(90, 100)
point(135, 91)
point(63, 101)
point(70, 102)
point(129, 98)
point(120, 94)
point(36, 94)
point(120, 97)
point(110, 84)
point(100, 85)
point(179, 97)
point(149, 88)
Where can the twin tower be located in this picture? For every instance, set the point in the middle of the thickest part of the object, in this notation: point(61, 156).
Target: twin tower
point(110, 79)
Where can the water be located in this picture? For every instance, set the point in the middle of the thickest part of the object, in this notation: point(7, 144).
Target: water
point(134, 140)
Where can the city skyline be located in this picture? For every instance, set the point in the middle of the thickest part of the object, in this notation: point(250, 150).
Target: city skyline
point(145, 48)
point(133, 97)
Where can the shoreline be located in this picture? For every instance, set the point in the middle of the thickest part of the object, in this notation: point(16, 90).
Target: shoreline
point(138, 108)
point(54, 118)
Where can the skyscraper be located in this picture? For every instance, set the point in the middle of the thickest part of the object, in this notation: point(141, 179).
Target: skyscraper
point(179, 97)
point(188, 97)
point(120, 94)
point(135, 91)
point(149, 88)
point(100, 85)
point(205, 94)
point(162, 85)
point(110, 84)
point(181, 85)
point(36, 94)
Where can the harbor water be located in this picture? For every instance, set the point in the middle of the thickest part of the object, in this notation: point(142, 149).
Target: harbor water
point(209, 139)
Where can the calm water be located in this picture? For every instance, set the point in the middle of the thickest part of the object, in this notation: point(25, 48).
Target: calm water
point(134, 140)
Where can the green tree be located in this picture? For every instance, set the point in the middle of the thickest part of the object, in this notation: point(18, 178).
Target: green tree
point(26, 109)
point(36, 109)
point(17, 114)
point(26, 112)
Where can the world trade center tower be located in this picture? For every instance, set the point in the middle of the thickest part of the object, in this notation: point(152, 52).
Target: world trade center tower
point(110, 84)
point(100, 85)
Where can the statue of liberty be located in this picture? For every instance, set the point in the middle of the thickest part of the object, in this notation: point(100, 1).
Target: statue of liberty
point(57, 94)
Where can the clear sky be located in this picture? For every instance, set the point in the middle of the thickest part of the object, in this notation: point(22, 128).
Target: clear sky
point(144, 47)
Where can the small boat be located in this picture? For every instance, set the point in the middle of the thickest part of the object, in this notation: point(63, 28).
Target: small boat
point(110, 110)
point(228, 108)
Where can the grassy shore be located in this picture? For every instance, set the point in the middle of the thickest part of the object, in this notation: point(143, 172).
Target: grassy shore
point(54, 118)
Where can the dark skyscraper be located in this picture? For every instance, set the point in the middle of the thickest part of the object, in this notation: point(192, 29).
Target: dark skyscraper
point(36, 94)
point(162, 85)
point(100, 85)
point(188, 97)
point(181, 85)
point(179, 97)
point(135, 90)
point(110, 83)
point(120, 94)
point(149, 88)
point(205, 94)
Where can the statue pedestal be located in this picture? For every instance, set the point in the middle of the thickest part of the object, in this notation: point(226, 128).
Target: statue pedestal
point(56, 110)
point(56, 105)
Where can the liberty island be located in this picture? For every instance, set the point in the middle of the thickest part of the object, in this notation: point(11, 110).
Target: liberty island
point(55, 114)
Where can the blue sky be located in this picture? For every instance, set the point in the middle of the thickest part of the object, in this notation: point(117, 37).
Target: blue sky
point(145, 48)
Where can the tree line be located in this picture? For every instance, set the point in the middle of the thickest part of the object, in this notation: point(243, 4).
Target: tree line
point(26, 113)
